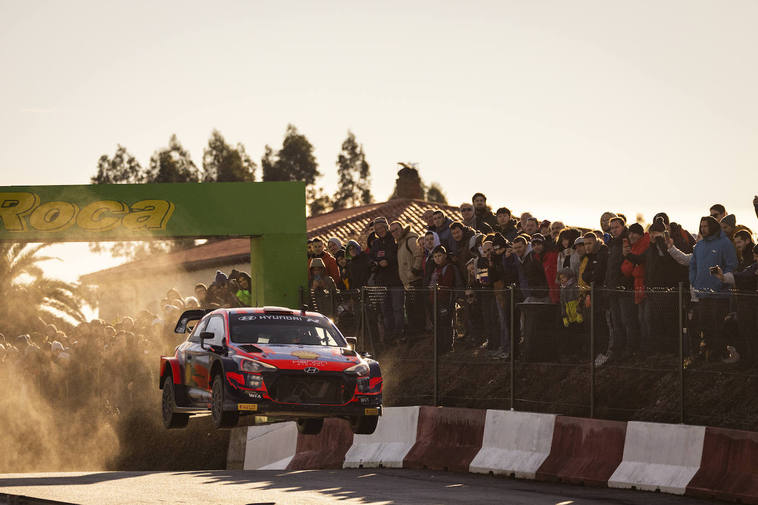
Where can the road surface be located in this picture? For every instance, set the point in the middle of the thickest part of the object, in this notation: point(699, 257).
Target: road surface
point(312, 487)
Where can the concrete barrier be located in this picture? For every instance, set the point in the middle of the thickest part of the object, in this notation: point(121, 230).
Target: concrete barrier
point(659, 457)
point(325, 450)
point(729, 468)
point(514, 443)
point(447, 439)
point(394, 437)
point(270, 447)
point(235, 454)
point(584, 451)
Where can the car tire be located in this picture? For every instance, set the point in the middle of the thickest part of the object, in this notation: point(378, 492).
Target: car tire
point(171, 419)
point(311, 426)
point(221, 418)
point(363, 425)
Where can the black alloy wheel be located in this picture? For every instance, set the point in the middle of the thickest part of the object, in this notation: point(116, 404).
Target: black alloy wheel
point(171, 419)
point(221, 418)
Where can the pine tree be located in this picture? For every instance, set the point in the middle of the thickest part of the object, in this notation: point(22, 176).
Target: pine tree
point(172, 164)
point(354, 186)
point(224, 163)
point(294, 161)
point(122, 168)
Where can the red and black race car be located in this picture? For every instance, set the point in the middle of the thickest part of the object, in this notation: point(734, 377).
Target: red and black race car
point(273, 362)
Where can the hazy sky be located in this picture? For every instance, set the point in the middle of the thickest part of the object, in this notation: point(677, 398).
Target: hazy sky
point(563, 108)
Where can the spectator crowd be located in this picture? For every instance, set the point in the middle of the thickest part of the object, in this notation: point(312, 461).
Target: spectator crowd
point(475, 280)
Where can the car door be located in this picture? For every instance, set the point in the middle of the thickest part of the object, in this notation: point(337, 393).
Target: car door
point(191, 352)
point(202, 361)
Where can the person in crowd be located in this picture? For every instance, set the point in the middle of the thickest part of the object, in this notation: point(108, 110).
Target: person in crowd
point(483, 214)
point(718, 211)
point(755, 205)
point(486, 275)
point(530, 226)
point(580, 252)
point(322, 287)
point(341, 258)
point(243, 294)
point(443, 277)
point(442, 227)
point(410, 264)
point(431, 241)
point(745, 281)
point(544, 228)
point(594, 274)
point(505, 274)
point(506, 225)
point(201, 292)
point(683, 240)
point(605, 226)
point(332, 270)
point(384, 256)
point(469, 218)
point(549, 260)
point(358, 265)
point(714, 253)
point(461, 234)
point(428, 218)
point(571, 313)
point(620, 294)
point(731, 228)
point(532, 283)
point(639, 241)
point(333, 245)
point(567, 255)
point(555, 230)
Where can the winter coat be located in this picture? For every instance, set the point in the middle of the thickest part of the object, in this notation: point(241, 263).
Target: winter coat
point(662, 270)
point(485, 217)
point(331, 265)
point(359, 270)
point(550, 265)
point(596, 266)
point(634, 268)
point(711, 251)
point(531, 275)
point(508, 231)
point(746, 281)
point(408, 257)
point(462, 251)
point(446, 239)
point(385, 248)
point(614, 279)
point(573, 261)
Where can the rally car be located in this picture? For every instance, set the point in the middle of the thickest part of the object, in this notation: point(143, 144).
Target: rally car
point(274, 363)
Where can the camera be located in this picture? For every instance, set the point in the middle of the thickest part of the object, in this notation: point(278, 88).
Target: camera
point(714, 269)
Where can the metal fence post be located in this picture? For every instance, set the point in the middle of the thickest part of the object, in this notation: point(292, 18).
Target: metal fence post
point(302, 298)
point(593, 302)
point(512, 309)
point(435, 353)
point(681, 351)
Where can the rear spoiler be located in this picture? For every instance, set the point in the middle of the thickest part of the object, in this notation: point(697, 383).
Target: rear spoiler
point(187, 316)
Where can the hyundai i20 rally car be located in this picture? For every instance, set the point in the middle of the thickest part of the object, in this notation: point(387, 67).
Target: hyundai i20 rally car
point(276, 363)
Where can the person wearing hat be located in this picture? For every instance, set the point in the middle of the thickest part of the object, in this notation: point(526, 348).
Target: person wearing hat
point(634, 268)
point(461, 234)
point(384, 256)
point(443, 277)
point(567, 256)
point(730, 227)
point(333, 245)
point(330, 263)
point(410, 259)
point(358, 265)
point(545, 254)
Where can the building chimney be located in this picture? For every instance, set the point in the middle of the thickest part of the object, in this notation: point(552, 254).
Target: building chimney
point(408, 184)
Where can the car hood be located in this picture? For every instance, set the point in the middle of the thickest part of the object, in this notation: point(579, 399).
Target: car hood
point(299, 357)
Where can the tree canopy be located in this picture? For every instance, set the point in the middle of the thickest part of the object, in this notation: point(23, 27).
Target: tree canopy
point(293, 162)
point(354, 185)
point(224, 163)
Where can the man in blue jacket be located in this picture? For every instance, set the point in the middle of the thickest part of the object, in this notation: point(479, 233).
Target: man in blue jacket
point(713, 250)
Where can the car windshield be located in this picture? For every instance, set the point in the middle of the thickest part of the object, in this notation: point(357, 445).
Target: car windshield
point(275, 329)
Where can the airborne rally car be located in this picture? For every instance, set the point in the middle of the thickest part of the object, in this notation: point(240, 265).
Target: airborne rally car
point(272, 362)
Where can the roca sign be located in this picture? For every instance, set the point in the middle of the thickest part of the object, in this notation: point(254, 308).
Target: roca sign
point(24, 211)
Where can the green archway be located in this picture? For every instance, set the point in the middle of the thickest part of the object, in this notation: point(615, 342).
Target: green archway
point(272, 214)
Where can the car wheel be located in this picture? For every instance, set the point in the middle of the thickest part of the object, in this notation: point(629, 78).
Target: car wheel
point(221, 418)
point(363, 425)
point(310, 426)
point(171, 419)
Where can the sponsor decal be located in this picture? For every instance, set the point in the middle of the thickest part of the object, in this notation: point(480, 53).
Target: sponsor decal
point(22, 211)
point(310, 369)
point(305, 354)
point(272, 317)
point(371, 412)
point(252, 407)
point(309, 362)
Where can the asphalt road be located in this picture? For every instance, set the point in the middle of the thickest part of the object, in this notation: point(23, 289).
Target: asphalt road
point(381, 486)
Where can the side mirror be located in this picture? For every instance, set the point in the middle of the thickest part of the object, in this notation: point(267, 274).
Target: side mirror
point(206, 335)
point(352, 342)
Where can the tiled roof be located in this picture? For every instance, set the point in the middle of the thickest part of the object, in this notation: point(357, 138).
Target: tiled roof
point(344, 224)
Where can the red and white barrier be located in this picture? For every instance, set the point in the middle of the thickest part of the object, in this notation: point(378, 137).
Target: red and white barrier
point(658, 456)
point(705, 462)
point(515, 443)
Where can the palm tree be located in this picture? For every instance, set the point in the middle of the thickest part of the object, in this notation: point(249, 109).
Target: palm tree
point(26, 294)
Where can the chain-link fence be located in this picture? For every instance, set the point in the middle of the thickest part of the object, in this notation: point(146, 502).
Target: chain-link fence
point(666, 355)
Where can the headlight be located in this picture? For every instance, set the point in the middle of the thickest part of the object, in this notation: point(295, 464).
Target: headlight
point(359, 369)
point(249, 365)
